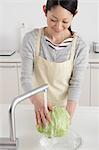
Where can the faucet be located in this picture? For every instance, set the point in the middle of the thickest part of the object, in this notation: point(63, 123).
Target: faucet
point(11, 142)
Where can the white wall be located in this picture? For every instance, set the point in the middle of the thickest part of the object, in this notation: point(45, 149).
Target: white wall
point(14, 12)
point(87, 20)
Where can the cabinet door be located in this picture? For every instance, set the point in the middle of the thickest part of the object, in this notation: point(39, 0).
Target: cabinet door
point(8, 82)
point(95, 84)
point(85, 91)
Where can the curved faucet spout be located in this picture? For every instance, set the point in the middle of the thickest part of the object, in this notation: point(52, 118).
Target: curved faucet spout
point(19, 99)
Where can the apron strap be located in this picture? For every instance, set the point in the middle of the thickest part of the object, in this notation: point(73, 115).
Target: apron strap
point(73, 47)
point(38, 38)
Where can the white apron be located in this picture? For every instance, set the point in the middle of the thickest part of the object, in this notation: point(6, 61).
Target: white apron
point(56, 75)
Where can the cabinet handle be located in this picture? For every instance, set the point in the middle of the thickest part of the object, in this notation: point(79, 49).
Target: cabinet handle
point(8, 67)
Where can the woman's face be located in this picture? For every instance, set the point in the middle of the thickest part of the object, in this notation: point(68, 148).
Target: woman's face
point(58, 20)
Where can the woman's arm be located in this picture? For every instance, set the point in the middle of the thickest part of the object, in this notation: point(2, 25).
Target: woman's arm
point(77, 77)
point(71, 106)
point(27, 57)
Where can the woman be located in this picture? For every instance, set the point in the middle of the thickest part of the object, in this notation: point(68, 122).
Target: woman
point(57, 56)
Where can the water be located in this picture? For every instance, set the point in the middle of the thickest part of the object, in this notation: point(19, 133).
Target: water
point(72, 141)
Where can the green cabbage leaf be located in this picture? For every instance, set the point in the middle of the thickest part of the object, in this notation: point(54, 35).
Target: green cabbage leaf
point(59, 125)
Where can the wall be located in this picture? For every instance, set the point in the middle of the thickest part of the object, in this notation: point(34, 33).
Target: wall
point(15, 12)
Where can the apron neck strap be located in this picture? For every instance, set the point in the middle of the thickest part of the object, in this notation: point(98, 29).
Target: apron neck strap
point(73, 47)
point(38, 38)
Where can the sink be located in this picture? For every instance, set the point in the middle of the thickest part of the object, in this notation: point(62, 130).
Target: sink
point(85, 122)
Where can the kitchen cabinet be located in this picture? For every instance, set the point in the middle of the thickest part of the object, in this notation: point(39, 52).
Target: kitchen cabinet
point(94, 84)
point(85, 91)
point(8, 82)
point(90, 89)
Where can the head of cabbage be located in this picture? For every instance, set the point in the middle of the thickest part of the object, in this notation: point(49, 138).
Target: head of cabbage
point(59, 125)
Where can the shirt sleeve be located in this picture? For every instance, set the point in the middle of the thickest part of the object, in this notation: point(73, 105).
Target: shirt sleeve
point(79, 69)
point(27, 56)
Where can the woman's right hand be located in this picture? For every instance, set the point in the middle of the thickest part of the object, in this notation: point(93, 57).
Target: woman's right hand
point(42, 115)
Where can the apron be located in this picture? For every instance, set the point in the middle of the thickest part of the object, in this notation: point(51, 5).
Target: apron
point(56, 75)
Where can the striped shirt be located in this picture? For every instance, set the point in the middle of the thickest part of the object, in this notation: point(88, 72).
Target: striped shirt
point(64, 44)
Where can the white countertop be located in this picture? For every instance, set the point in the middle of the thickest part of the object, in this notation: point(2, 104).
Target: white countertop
point(93, 57)
point(15, 58)
point(85, 123)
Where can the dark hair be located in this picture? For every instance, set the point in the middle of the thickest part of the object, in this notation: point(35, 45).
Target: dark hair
point(70, 5)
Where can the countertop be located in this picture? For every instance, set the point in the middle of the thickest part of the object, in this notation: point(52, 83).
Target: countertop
point(93, 57)
point(15, 58)
point(85, 122)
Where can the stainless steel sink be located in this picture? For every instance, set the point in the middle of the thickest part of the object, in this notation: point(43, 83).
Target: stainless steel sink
point(11, 142)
